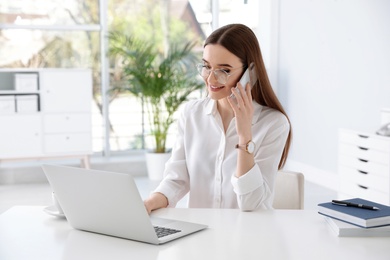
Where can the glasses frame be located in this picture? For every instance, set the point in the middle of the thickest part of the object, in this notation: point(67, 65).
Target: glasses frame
point(200, 67)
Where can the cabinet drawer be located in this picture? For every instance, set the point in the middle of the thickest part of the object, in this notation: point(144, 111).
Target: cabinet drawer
point(375, 142)
point(364, 165)
point(380, 183)
point(67, 123)
point(20, 136)
point(66, 143)
point(356, 191)
point(365, 153)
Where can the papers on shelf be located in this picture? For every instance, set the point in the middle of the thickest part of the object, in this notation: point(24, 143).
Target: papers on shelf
point(26, 81)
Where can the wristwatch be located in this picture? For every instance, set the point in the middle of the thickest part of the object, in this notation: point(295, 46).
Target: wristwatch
point(249, 147)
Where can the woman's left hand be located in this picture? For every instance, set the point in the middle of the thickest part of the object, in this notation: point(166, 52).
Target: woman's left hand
point(243, 111)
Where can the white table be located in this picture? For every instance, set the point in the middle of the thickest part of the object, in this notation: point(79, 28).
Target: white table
point(29, 233)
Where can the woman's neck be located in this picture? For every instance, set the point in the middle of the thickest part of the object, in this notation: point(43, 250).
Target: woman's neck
point(226, 112)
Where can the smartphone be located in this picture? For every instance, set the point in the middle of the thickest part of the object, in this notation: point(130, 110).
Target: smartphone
point(249, 76)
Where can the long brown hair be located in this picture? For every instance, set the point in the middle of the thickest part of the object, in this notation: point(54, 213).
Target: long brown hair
point(242, 42)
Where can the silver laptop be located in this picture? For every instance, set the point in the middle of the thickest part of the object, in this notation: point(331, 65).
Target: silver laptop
point(109, 203)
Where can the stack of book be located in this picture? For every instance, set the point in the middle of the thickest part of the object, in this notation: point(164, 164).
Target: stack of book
point(356, 217)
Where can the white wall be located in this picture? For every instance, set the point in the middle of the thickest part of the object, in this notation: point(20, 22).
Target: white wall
point(333, 72)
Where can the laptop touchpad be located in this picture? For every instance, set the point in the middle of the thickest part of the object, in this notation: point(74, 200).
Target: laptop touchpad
point(160, 221)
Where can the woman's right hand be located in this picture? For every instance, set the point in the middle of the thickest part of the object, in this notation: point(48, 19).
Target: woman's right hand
point(155, 201)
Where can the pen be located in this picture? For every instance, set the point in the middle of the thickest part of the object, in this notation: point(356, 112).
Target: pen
point(350, 204)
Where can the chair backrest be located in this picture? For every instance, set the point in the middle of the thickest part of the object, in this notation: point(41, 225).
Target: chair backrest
point(289, 190)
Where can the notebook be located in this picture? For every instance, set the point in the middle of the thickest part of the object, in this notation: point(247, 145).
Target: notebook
point(344, 229)
point(109, 203)
point(358, 216)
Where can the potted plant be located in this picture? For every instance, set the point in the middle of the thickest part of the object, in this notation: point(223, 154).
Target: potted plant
point(162, 82)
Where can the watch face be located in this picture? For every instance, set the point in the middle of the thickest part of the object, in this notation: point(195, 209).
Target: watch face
point(250, 147)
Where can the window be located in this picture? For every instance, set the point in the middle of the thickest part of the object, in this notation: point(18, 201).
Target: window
point(67, 34)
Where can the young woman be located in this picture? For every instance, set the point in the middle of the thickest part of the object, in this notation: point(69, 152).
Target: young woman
point(230, 144)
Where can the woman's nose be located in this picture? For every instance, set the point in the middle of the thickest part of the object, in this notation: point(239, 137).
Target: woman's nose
point(212, 78)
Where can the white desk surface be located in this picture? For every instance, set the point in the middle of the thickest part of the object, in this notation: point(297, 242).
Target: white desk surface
point(29, 233)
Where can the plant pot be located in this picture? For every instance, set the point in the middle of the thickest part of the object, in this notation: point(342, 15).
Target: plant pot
point(155, 163)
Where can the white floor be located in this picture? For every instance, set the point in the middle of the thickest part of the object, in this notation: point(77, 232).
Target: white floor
point(40, 194)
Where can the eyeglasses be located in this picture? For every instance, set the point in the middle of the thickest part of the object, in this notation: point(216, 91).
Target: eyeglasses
point(221, 75)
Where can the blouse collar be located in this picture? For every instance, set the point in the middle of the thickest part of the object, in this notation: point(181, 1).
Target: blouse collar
point(211, 109)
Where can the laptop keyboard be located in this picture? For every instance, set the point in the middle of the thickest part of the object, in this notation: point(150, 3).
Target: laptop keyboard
point(162, 231)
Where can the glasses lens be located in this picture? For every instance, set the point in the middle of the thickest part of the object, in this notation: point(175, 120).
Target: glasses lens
point(203, 71)
point(221, 76)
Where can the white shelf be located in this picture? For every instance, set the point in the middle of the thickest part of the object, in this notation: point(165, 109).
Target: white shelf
point(16, 92)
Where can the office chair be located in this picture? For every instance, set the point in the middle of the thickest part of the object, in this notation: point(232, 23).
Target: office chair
point(289, 190)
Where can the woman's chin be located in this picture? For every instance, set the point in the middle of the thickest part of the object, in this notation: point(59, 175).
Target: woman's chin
point(218, 95)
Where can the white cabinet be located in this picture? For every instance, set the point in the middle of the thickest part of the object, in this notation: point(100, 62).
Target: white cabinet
point(61, 123)
point(364, 166)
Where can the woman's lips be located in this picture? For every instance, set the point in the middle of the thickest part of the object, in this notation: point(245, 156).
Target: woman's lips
point(215, 88)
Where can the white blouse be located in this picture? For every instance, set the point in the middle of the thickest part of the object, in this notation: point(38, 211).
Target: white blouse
point(204, 159)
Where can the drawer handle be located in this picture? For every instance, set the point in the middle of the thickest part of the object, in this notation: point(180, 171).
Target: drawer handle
point(362, 160)
point(363, 136)
point(363, 148)
point(363, 187)
point(363, 172)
